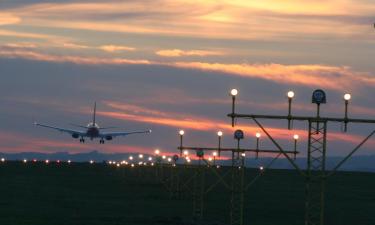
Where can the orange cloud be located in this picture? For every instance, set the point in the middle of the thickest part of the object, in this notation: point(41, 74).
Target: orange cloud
point(332, 77)
point(115, 48)
point(32, 55)
point(8, 18)
point(180, 53)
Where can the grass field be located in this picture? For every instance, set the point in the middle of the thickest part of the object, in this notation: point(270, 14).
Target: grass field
point(99, 194)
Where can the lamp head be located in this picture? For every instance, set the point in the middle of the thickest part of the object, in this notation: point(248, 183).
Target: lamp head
point(233, 92)
point(258, 135)
point(219, 133)
point(347, 97)
point(181, 132)
point(296, 137)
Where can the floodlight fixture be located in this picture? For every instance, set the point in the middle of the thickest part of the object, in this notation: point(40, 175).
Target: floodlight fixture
point(234, 93)
point(219, 135)
point(347, 97)
point(257, 135)
point(290, 95)
point(295, 137)
point(181, 132)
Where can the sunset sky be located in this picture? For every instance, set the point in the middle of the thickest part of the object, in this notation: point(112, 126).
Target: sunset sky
point(167, 65)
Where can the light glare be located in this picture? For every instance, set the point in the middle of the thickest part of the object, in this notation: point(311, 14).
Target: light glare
point(290, 94)
point(347, 97)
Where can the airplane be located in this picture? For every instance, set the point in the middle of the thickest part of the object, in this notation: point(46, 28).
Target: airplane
point(92, 131)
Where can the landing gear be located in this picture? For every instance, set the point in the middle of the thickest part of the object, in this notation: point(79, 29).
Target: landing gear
point(82, 140)
point(101, 141)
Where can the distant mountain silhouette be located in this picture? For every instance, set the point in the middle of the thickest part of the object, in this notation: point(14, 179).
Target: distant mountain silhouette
point(365, 163)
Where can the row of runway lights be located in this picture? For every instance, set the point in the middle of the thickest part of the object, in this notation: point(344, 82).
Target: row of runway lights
point(118, 164)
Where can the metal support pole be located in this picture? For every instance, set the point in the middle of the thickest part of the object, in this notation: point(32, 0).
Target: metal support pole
point(219, 147)
point(237, 189)
point(315, 174)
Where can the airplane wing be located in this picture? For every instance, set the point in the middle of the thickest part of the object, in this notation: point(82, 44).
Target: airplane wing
point(117, 134)
point(69, 131)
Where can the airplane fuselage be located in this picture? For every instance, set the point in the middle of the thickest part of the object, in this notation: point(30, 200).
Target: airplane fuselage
point(92, 131)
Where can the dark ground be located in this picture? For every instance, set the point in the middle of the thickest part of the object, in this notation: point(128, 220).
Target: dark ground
point(99, 194)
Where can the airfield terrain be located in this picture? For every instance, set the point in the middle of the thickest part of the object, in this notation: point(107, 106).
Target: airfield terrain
point(90, 194)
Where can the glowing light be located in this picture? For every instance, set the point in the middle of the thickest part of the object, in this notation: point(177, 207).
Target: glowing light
point(118, 164)
point(140, 156)
point(69, 161)
point(157, 152)
point(261, 168)
point(169, 159)
point(234, 92)
point(347, 97)
point(25, 161)
point(296, 137)
point(34, 160)
point(164, 157)
point(140, 163)
point(47, 161)
point(290, 94)
point(132, 165)
point(149, 158)
point(188, 160)
point(58, 161)
point(181, 132)
point(214, 154)
point(258, 135)
point(91, 161)
point(218, 166)
point(152, 164)
point(243, 154)
point(219, 133)
point(186, 152)
point(2, 160)
point(130, 157)
point(209, 159)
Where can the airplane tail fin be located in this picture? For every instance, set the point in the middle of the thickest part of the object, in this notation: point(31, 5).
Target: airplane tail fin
point(94, 115)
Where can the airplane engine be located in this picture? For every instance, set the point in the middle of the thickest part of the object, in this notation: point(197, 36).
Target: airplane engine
point(75, 135)
point(108, 138)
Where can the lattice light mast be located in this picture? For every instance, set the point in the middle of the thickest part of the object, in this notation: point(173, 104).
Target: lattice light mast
point(315, 173)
